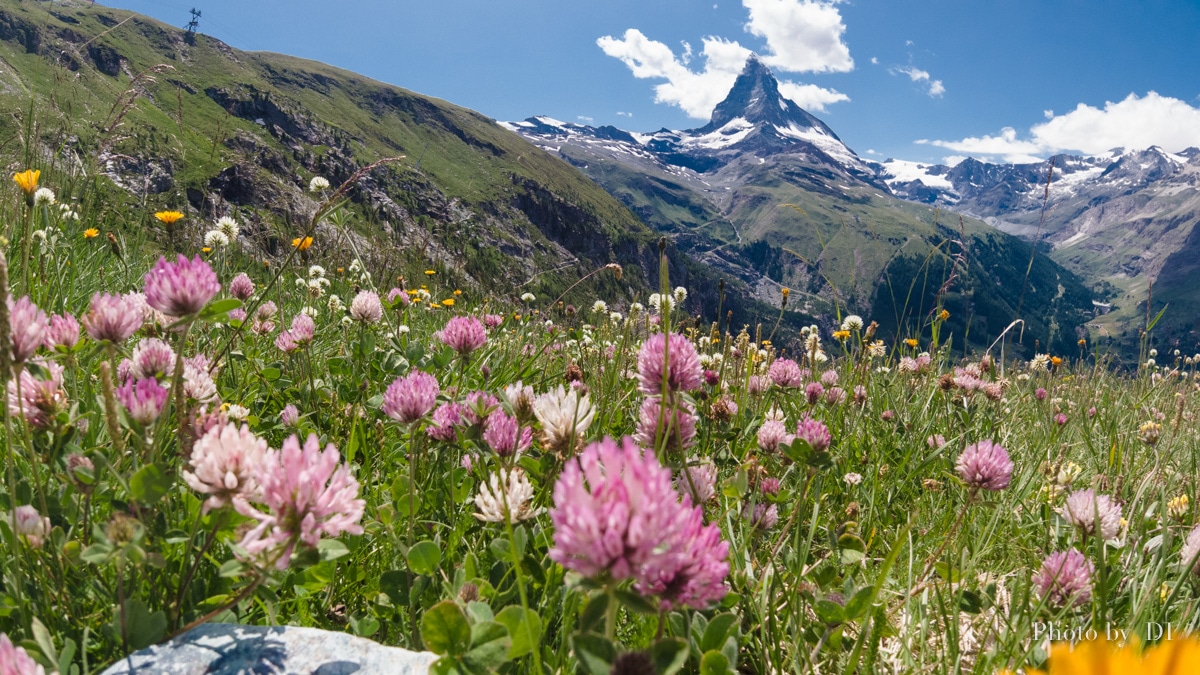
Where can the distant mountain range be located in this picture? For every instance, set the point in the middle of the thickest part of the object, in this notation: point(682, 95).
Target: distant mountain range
point(1123, 221)
point(770, 194)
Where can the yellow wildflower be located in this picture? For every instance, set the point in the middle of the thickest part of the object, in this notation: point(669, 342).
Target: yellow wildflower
point(302, 243)
point(1171, 657)
point(169, 217)
point(841, 335)
point(91, 233)
point(457, 292)
point(28, 180)
point(944, 314)
point(911, 342)
point(206, 249)
point(430, 273)
point(449, 302)
point(1055, 361)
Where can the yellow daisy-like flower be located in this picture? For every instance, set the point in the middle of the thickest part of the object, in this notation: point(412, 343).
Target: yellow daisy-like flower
point(1083, 343)
point(28, 180)
point(91, 233)
point(911, 342)
point(786, 292)
point(841, 334)
point(206, 249)
point(944, 314)
point(449, 302)
point(457, 292)
point(430, 273)
point(516, 317)
point(1180, 656)
point(169, 217)
point(302, 243)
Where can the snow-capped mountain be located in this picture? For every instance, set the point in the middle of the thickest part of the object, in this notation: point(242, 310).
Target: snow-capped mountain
point(754, 119)
point(767, 193)
point(1124, 220)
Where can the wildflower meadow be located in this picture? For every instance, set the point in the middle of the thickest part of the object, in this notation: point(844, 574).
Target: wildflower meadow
point(198, 429)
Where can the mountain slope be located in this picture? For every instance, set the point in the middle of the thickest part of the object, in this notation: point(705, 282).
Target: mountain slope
point(1125, 221)
point(185, 121)
point(769, 192)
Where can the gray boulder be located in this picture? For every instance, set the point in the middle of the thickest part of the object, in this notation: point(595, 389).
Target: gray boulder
point(232, 649)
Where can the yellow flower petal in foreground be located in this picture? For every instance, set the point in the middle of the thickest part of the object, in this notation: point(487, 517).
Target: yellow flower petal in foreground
point(1180, 656)
point(449, 302)
point(91, 233)
point(430, 273)
point(169, 217)
point(302, 243)
point(28, 180)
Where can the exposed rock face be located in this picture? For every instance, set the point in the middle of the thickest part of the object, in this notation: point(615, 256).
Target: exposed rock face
point(231, 649)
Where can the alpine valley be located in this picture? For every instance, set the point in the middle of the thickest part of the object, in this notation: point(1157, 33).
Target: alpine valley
point(765, 196)
point(769, 194)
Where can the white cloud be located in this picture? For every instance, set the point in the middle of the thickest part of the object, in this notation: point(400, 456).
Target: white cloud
point(875, 60)
point(803, 36)
point(698, 92)
point(936, 88)
point(585, 118)
point(953, 160)
point(810, 96)
point(624, 114)
point(871, 151)
point(1134, 123)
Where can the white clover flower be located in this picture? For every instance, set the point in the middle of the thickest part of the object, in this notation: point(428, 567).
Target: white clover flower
point(852, 322)
point(528, 297)
point(564, 414)
point(39, 235)
point(503, 488)
point(599, 307)
point(775, 414)
point(335, 304)
point(615, 317)
point(658, 302)
point(402, 329)
point(215, 239)
point(883, 369)
point(877, 349)
point(229, 227)
point(1040, 363)
point(311, 311)
point(706, 360)
point(680, 294)
point(423, 295)
point(347, 321)
point(852, 478)
point(820, 357)
point(635, 309)
point(1151, 363)
point(355, 266)
point(1153, 352)
point(717, 360)
point(316, 272)
point(237, 412)
point(69, 214)
point(43, 196)
point(317, 184)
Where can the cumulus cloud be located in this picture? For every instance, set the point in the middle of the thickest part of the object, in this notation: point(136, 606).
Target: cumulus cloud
point(810, 96)
point(1134, 123)
point(935, 88)
point(802, 36)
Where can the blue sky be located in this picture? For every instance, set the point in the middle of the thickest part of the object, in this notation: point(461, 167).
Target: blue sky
point(915, 79)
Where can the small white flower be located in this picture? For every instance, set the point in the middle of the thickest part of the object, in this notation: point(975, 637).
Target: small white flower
point(615, 317)
point(853, 478)
point(347, 321)
point(1151, 363)
point(402, 329)
point(659, 302)
point(599, 307)
point(564, 415)
point(1040, 363)
point(39, 235)
point(43, 196)
point(237, 412)
point(528, 297)
point(852, 322)
point(635, 309)
point(503, 488)
point(317, 184)
point(1153, 352)
point(229, 227)
point(680, 294)
point(335, 304)
point(215, 239)
point(311, 311)
point(316, 272)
